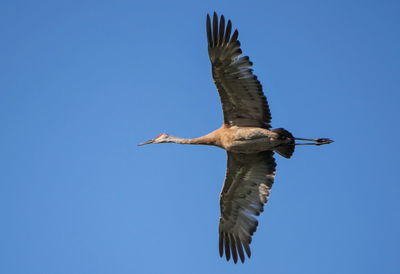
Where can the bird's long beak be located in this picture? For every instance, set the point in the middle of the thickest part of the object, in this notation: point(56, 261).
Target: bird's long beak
point(147, 142)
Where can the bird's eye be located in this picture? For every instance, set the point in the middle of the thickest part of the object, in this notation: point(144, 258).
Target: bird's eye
point(159, 135)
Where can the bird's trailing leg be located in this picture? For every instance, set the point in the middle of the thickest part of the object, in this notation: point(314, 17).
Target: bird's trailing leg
point(316, 142)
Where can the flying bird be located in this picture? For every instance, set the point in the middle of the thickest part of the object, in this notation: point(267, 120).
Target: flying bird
point(247, 137)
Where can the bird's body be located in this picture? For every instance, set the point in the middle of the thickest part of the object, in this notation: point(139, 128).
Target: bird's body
point(238, 139)
point(249, 140)
point(247, 137)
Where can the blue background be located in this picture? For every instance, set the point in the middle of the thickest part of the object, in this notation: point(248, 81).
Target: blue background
point(82, 83)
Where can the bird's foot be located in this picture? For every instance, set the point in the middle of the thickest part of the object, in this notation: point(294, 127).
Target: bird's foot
point(323, 141)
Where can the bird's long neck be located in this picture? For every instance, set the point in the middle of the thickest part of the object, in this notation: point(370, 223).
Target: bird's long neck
point(204, 140)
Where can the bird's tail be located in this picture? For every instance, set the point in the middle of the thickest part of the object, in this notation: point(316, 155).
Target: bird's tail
point(285, 150)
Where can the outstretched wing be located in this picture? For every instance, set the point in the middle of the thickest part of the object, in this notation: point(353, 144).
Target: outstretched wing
point(249, 178)
point(243, 101)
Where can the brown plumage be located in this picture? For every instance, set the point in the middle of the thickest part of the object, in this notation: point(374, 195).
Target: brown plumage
point(247, 137)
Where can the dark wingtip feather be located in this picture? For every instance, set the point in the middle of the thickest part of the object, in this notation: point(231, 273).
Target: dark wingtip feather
point(233, 248)
point(234, 36)
point(227, 249)
point(228, 32)
point(221, 245)
point(247, 248)
point(215, 29)
point(209, 38)
point(239, 248)
point(221, 30)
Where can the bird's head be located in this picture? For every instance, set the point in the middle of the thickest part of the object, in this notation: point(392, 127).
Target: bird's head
point(161, 138)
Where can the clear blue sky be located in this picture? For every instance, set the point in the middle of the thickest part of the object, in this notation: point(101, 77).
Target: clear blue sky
point(82, 83)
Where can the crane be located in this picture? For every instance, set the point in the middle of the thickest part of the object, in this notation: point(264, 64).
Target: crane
point(247, 137)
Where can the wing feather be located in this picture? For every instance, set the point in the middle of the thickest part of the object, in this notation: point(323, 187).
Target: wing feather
point(248, 181)
point(243, 101)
